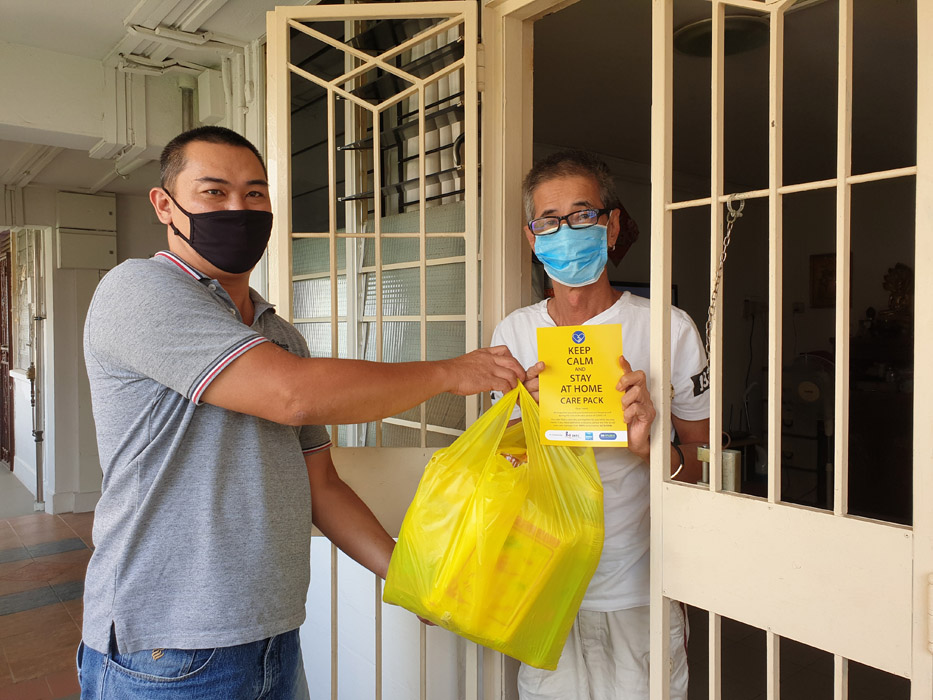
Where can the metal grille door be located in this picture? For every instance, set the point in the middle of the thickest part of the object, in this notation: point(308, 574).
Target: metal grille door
point(373, 161)
point(851, 586)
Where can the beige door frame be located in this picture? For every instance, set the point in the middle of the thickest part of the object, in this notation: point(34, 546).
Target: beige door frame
point(506, 84)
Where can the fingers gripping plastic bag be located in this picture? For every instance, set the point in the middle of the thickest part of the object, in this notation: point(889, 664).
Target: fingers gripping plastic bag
point(502, 537)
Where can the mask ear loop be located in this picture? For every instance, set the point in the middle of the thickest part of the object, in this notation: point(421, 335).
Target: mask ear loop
point(183, 211)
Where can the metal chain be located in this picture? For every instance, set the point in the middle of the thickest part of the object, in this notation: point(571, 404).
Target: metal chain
point(726, 239)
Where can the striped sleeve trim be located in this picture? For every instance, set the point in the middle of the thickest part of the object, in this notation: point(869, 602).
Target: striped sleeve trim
point(319, 448)
point(247, 344)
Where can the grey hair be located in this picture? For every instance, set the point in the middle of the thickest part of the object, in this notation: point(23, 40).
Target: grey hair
point(569, 163)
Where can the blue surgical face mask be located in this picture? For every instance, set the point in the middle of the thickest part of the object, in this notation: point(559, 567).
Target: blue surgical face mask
point(574, 257)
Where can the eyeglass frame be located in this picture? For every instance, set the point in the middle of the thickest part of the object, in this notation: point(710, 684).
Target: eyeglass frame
point(575, 227)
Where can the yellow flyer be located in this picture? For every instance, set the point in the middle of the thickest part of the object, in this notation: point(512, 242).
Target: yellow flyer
point(579, 402)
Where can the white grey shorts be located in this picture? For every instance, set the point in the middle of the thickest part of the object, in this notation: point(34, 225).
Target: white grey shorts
point(606, 657)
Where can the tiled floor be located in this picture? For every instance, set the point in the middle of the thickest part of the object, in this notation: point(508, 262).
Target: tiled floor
point(42, 563)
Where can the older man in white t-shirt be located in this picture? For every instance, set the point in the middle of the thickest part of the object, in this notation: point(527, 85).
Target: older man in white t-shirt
point(573, 216)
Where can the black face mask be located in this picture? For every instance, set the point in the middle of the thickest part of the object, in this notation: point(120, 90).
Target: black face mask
point(230, 240)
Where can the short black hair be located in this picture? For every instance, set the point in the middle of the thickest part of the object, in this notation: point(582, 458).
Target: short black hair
point(172, 160)
point(569, 163)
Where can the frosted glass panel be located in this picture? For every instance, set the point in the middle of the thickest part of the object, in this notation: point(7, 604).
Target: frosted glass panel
point(318, 338)
point(400, 250)
point(408, 250)
point(445, 248)
point(446, 339)
point(312, 256)
point(401, 341)
point(446, 289)
point(311, 298)
point(439, 439)
point(400, 436)
point(447, 410)
point(401, 293)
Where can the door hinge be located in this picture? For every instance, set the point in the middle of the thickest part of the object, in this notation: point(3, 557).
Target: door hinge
point(480, 68)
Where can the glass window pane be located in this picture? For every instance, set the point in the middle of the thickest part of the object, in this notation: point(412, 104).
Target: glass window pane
point(401, 293)
point(447, 411)
point(401, 341)
point(312, 256)
point(400, 250)
point(445, 339)
point(446, 289)
point(318, 337)
point(400, 436)
point(311, 298)
point(439, 439)
point(445, 248)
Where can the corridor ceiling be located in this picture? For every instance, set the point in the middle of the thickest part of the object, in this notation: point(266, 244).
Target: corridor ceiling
point(599, 48)
point(102, 29)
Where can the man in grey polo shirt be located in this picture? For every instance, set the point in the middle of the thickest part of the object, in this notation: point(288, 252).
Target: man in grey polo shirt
point(208, 409)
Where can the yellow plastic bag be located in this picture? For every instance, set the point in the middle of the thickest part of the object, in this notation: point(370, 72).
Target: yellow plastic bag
point(502, 537)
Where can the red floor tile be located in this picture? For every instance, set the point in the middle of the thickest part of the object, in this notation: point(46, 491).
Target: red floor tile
point(6, 677)
point(11, 583)
point(36, 689)
point(75, 608)
point(82, 524)
point(37, 647)
point(63, 683)
point(8, 537)
point(29, 621)
point(33, 655)
point(46, 528)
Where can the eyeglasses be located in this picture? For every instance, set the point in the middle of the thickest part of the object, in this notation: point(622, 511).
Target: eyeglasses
point(584, 218)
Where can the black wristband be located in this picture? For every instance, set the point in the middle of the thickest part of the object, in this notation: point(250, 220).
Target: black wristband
point(680, 455)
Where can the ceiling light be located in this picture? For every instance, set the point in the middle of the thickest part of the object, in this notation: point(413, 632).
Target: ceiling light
point(741, 33)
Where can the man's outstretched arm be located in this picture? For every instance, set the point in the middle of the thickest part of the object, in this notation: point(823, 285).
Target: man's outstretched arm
point(272, 383)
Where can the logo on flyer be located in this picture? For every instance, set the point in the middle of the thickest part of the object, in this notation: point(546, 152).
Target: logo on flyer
point(578, 337)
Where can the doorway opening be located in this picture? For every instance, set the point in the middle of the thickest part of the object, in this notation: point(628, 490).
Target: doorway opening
point(599, 52)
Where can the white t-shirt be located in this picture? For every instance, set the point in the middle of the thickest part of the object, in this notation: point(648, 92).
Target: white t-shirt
point(621, 580)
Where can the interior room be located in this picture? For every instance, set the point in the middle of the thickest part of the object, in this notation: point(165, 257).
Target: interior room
point(610, 62)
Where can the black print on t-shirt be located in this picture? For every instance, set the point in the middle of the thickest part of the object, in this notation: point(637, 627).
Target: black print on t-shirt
point(700, 382)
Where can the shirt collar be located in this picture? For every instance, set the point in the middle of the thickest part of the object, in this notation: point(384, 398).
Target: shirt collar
point(260, 305)
point(181, 264)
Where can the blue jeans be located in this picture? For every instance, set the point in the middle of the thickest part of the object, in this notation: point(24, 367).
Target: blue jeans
point(270, 669)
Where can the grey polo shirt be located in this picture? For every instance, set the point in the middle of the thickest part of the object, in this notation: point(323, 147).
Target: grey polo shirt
point(203, 529)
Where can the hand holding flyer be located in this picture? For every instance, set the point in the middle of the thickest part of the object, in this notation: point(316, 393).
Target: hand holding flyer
point(580, 405)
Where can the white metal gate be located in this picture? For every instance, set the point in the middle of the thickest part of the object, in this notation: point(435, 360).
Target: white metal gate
point(853, 587)
point(373, 161)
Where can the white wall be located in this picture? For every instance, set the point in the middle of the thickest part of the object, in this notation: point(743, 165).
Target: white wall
point(74, 457)
point(71, 463)
point(139, 233)
point(50, 98)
